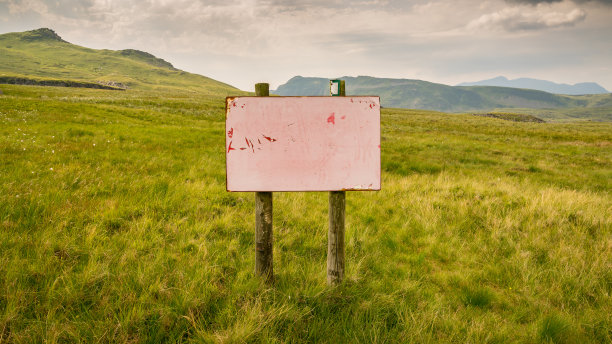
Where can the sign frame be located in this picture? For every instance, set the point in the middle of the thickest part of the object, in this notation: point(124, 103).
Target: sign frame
point(371, 182)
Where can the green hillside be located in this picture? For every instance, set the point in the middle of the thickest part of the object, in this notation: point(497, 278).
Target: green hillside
point(42, 55)
point(418, 94)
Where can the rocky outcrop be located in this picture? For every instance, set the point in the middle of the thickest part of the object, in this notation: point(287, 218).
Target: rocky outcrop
point(147, 58)
point(113, 84)
point(59, 83)
point(42, 35)
point(514, 117)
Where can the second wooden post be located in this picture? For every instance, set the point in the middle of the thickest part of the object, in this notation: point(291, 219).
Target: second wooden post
point(335, 235)
point(263, 220)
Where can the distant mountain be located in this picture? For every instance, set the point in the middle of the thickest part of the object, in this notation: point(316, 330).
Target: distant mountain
point(42, 57)
point(541, 85)
point(418, 94)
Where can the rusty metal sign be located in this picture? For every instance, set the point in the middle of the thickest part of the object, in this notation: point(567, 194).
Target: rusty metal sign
point(302, 143)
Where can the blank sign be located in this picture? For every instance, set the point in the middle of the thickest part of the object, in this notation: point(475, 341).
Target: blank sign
point(302, 143)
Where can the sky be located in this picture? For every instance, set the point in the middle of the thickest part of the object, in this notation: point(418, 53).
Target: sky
point(243, 42)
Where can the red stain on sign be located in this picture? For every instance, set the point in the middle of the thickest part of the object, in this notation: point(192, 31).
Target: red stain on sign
point(249, 144)
point(230, 133)
point(268, 138)
point(332, 118)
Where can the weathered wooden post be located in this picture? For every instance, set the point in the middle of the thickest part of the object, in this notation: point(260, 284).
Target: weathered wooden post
point(263, 219)
point(335, 234)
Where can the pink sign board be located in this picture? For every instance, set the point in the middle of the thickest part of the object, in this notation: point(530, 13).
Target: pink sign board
point(302, 143)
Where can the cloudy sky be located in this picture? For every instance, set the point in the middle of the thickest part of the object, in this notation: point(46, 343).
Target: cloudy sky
point(242, 42)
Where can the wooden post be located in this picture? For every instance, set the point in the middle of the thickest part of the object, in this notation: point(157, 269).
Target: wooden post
point(335, 235)
point(263, 219)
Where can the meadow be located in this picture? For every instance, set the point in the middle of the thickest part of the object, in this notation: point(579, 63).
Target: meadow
point(115, 226)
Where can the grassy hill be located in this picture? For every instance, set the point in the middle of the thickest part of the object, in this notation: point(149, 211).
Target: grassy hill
point(115, 226)
point(42, 55)
point(418, 94)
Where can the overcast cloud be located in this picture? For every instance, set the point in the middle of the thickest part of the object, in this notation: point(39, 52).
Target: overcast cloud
point(242, 42)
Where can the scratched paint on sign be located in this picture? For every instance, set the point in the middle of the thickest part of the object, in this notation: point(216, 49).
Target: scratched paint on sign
point(302, 143)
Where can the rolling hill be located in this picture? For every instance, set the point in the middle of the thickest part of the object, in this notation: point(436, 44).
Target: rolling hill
point(42, 57)
point(418, 94)
point(541, 85)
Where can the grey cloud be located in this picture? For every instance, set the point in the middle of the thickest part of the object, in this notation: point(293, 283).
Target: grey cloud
point(536, 2)
point(297, 5)
point(67, 8)
point(514, 19)
point(316, 5)
point(533, 2)
point(72, 8)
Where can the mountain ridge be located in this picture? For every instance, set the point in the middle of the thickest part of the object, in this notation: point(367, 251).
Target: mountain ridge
point(425, 95)
point(582, 88)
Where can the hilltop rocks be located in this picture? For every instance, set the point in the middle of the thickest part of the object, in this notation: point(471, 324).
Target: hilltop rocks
point(147, 58)
point(42, 35)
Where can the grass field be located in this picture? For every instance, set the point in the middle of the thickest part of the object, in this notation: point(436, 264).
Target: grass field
point(115, 226)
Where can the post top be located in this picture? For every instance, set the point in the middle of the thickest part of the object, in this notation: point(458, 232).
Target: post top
point(262, 89)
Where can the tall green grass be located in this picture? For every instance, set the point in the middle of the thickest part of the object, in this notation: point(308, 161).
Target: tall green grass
point(115, 226)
